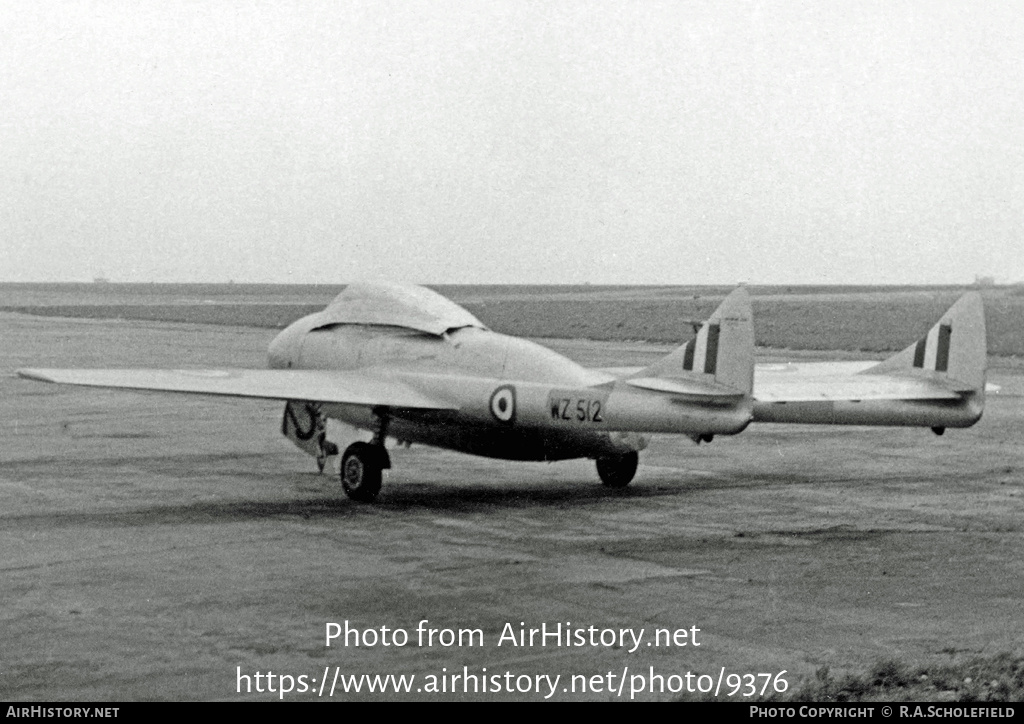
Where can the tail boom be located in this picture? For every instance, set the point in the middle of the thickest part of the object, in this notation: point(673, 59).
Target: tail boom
point(937, 382)
point(961, 412)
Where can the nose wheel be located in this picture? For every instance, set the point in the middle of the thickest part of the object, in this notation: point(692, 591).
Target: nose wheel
point(362, 468)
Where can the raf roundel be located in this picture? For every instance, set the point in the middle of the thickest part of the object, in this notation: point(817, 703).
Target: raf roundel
point(503, 404)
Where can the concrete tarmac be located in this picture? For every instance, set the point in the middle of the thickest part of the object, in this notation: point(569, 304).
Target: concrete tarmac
point(160, 546)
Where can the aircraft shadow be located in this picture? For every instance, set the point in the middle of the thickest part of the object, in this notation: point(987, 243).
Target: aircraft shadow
point(403, 497)
point(475, 497)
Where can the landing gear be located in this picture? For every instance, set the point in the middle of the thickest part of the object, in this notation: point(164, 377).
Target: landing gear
point(305, 425)
point(363, 463)
point(326, 449)
point(616, 471)
point(361, 470)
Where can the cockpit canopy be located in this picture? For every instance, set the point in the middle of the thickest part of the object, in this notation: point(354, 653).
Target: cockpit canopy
point(398, 305)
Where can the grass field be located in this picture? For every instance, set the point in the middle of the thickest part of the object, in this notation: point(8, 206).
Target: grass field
point(992, 678)
point(865, 319)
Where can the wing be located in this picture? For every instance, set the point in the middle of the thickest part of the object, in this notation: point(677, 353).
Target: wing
point(357, 388)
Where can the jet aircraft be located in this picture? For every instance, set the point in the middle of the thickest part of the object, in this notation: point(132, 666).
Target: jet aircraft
point(403, 362)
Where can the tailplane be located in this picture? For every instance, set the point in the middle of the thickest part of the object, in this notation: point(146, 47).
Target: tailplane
point(718, 362)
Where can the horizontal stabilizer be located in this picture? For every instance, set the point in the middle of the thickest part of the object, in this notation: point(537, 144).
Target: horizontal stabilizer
point(685, 387)
point(822, 388)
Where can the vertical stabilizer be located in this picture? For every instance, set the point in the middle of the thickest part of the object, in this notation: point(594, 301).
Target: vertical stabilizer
point(954, 350)
point(722, 352)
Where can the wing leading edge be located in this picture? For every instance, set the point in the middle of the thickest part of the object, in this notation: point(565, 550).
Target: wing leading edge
point(356, 388)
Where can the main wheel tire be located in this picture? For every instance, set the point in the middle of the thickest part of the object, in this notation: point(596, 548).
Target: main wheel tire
point(616, 471)
point(361, 468)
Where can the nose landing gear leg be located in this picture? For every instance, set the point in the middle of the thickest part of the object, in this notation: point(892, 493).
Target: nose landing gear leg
point(363, 463)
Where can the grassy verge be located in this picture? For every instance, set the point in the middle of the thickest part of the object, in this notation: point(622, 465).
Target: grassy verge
point(993, 678)
point(868, 323)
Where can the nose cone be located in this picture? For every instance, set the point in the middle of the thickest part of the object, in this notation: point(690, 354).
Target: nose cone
point(283, 351)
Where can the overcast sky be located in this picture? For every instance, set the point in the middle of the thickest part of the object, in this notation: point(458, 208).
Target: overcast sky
point(512, 141)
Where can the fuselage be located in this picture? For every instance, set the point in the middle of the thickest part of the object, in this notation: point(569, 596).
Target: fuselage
point(516, 399)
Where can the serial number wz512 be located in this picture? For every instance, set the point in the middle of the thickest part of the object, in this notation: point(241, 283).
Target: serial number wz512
point(576, 409)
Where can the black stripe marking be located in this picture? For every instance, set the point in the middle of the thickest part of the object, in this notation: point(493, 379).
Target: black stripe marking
point(919, 352)
point(942, 354)
point(688, 355)
point(711, 355)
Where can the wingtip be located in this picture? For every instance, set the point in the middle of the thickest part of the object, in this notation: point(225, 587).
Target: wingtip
point(29, 374)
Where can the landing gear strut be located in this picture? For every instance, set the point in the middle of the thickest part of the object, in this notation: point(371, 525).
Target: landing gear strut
point(363, 463)
point(326, 449)
point(616, 471)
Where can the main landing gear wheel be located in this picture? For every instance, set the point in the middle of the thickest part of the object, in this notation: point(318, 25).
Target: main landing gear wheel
point(617, 470)
point(361, 468)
